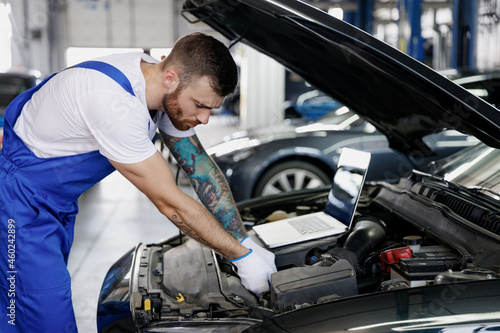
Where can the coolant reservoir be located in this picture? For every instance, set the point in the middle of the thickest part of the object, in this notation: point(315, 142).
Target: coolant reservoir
point(413, 242)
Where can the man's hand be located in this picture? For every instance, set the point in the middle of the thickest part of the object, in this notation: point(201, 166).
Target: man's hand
point(255, 267)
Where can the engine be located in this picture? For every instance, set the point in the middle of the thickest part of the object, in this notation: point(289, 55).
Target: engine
point(381, 252)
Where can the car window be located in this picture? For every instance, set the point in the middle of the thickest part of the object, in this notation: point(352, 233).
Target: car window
point(449, 138)
point(477, 168)
point(488, 89)
point(10, 87)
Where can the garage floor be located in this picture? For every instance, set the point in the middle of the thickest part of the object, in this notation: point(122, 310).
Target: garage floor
point(114, 217)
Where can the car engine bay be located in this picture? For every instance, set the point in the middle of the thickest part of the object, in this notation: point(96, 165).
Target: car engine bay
point(406, 235)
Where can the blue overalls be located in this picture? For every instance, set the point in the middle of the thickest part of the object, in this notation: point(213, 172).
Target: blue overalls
point(38, 205)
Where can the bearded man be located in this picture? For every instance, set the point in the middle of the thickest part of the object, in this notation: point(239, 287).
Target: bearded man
point(81, 124)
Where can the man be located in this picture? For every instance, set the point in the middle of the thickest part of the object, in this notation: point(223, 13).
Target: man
point(81, 124)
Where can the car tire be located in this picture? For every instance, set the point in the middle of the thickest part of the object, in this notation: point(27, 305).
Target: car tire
point(288, 176)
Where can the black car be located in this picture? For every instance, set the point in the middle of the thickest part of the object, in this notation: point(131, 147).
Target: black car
point(295, 155)
point(11, 85)
point(422, 254)
point(298, 155)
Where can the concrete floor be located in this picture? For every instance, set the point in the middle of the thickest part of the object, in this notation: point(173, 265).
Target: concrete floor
point(114, 217)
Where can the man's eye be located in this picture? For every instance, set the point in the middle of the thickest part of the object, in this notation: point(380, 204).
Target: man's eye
point(203, 107)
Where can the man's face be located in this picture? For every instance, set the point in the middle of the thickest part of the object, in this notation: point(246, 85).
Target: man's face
point(191, 106)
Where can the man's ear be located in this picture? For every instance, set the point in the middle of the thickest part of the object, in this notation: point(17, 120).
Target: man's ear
point(171, 79)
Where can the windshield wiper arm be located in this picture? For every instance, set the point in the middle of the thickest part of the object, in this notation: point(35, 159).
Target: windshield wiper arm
point(480, 189)
point(475, 191)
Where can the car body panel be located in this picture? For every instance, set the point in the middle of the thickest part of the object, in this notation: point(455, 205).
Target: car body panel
point(429, 309)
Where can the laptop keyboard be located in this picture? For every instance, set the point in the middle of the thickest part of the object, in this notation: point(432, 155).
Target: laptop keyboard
point(309, 225)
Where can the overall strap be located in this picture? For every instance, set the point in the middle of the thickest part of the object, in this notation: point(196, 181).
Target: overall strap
point(62, 179)
point(110, 71)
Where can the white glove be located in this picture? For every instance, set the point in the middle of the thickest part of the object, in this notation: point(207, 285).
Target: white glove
point(255, 267)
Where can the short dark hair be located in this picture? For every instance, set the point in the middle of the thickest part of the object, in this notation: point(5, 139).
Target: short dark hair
point(197, 55)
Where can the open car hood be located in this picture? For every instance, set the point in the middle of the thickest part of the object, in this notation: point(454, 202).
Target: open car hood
point(402, 97)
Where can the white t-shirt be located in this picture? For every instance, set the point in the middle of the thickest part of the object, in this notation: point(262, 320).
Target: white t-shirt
point(81, 110)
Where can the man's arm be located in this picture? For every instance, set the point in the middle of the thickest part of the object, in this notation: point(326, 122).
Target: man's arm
point(207, 180)
point(155, 179)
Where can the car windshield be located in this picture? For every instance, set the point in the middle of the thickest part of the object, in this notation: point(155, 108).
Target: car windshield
point(10, 87)
point(478, 168)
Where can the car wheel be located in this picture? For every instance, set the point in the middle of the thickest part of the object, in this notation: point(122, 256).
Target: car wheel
point(290, 176)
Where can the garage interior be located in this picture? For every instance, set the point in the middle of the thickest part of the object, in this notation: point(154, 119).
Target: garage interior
point(42, 37)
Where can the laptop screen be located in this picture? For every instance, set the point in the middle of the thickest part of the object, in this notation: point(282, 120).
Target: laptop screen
point(346, 185)
point(338, 213)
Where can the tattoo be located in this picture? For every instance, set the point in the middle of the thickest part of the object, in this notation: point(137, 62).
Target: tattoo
point(191, 233)
point(208, 182)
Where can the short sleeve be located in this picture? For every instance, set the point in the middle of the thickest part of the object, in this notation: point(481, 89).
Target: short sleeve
point(120, 124)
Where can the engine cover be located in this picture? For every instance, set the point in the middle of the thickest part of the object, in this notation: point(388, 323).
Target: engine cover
point(298, 285)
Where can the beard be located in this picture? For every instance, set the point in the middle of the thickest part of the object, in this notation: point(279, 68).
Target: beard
point(174, 111)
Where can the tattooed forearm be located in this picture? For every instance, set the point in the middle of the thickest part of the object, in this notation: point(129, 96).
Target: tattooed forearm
point(191, 233)
point(208, 182)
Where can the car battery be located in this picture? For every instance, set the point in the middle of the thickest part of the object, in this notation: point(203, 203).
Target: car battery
point(297, 286)
point(423, 266)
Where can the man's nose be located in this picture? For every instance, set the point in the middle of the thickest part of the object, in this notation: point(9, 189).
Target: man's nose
point(203, 116)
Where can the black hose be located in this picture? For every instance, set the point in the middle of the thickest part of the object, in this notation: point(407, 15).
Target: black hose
point(366, 235)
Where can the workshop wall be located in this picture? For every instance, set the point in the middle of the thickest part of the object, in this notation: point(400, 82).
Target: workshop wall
point(121, 23)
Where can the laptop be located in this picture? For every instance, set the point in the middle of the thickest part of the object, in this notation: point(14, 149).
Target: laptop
point(339, 211)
